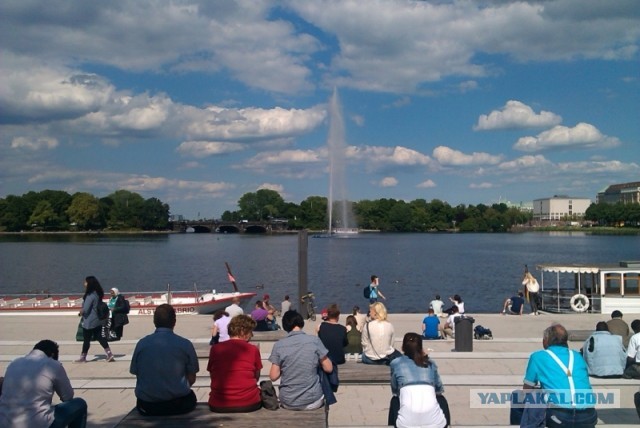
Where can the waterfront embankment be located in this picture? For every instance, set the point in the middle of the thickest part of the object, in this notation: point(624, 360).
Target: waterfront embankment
point(494, 364)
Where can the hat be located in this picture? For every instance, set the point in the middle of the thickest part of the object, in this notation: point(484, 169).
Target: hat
point(115, 291)
point(265, 297)
point(325, 314)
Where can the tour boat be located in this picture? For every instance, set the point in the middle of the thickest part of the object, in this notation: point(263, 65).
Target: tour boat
point(184, 302)
point(591, 288)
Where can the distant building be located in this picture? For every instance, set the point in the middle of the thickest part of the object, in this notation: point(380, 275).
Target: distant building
point(559, 207)
point(627, 193)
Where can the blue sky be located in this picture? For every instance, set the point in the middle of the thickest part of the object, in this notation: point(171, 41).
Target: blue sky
point(199, 102)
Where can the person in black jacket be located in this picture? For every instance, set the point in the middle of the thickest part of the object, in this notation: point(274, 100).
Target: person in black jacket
point(119, 309)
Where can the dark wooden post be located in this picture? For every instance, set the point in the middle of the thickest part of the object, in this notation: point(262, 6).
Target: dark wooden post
point(303, 241)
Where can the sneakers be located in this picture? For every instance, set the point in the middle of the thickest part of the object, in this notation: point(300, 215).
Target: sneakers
point(82, 359)
point(110, 359)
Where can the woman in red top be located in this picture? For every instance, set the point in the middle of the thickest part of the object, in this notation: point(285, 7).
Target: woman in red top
point(235, 367)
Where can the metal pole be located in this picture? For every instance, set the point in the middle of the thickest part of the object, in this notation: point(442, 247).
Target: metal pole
point(303, 243)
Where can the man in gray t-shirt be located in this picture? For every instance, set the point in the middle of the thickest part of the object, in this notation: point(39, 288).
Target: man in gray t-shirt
point(295, 361)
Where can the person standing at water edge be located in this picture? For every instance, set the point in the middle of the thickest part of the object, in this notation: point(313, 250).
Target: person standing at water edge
point(374, 291)
point(285, 306)
point(558, 370)
point(91, 323)
point(234, 308)
point(532, 288)
point(28, 389)
point(165, 366)
point(437, 305)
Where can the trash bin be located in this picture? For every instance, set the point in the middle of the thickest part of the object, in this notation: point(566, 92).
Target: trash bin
point(464, 334)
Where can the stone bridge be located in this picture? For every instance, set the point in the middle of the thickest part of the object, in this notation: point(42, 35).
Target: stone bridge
point(217, 226)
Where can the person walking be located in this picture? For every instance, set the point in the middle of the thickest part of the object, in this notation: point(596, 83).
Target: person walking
point(91, 323)
point(374, 291)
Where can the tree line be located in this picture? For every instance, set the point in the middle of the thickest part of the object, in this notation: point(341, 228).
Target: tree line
point(56, 210)
point(618, 214)
point(385, 215)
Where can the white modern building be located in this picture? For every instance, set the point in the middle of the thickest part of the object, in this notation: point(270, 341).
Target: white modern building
point(559, 207)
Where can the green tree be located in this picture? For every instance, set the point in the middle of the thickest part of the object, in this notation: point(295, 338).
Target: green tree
point(126, 211)
point(44, 216)
point(85, 211)
point(14, 213)
point(154, 215)
point(313, 212)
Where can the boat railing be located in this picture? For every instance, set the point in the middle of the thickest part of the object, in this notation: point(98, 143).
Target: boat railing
point(559, 300)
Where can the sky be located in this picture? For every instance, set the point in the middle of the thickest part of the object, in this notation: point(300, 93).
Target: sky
point(199, 102)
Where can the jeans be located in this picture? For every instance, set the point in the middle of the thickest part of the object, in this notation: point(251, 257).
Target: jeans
point(583, 418)
point(72, 413)
point(384, 360)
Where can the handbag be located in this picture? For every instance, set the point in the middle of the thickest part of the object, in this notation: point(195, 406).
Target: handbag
point(80, 333)
point(268, 395)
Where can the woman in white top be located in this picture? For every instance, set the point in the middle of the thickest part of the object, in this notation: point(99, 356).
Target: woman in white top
point(531, 289)
point(377, 337)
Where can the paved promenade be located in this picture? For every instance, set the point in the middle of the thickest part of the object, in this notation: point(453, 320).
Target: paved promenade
point(498, 363)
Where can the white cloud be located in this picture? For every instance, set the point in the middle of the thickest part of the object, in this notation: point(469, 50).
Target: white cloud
point(201, 149)
point(295, 164)
point(583, 135)
point(595, 167)
point(47, 93)
point(447, 156)
point(426, 184)
point(358, 119)
point(270, 186)
point(34, 144)
point(387, 156)
point(388, 182)
point(483, 185)
point(525, 163)
point(227, 124)
point(516, 115)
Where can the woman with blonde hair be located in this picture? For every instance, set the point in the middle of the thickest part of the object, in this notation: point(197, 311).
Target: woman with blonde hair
point(377, 337)
point(531, 289)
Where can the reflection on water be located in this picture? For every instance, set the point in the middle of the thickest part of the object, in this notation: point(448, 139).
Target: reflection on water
point(482, 268)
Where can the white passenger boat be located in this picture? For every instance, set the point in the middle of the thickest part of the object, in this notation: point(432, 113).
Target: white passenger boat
point(590, 288)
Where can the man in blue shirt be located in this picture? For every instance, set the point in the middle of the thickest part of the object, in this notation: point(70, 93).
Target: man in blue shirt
point(430, 326)
point(165, 366)
point(514, 305)
point(562, 373)
point(374, 290)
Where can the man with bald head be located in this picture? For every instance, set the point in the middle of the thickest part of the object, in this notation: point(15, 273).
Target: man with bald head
point(563, 374)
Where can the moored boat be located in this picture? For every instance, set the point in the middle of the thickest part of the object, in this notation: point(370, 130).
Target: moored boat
point(594, 288)
point(184, 302)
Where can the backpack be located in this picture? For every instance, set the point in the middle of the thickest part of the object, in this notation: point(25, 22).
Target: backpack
point(480, 332)
point(268, 395)
point(367, 292)
point(127, 306)
point(102, 310)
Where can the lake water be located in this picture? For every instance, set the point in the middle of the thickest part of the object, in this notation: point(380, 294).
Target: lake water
point(482, 268)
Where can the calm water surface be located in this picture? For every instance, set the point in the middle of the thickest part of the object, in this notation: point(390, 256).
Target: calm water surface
point(482, 268)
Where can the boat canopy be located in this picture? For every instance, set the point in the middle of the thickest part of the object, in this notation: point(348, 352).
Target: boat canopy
point(569, 268)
